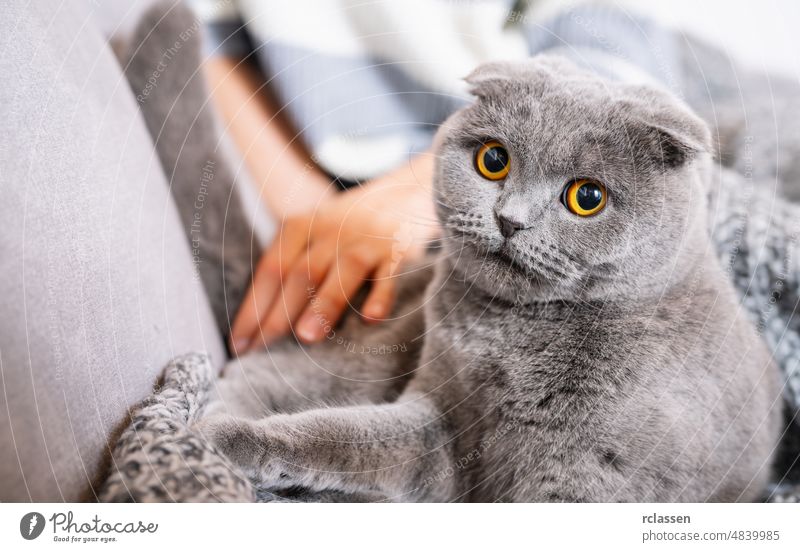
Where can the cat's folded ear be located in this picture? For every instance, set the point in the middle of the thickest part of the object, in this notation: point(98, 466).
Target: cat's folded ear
point(491, 79)
point(666, 130)
point(667, 147)
point(495, 78)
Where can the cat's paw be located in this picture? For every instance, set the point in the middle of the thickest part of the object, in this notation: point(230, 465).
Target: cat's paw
point(233, 437)
point(248, 445)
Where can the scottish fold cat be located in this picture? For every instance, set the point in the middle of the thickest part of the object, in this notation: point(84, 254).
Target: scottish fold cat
point(576, 339)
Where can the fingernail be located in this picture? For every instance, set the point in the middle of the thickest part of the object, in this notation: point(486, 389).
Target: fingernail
point(308, 329)
point(375, 312)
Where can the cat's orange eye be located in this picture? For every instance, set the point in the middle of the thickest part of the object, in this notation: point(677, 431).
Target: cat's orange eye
point(584, 197)
point(492, 160)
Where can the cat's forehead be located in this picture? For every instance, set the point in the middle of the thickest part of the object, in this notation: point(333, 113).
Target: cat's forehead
point(561, 106)
point(552, 131)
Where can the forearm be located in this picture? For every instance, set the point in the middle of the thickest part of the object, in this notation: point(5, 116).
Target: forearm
point(289, 181)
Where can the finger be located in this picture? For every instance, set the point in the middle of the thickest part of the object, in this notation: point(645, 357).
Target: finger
point(381, 297)
point(296, 291)
point(341, 284)
point(266, 284)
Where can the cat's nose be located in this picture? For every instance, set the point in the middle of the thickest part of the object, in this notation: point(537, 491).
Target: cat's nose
point(508, 226)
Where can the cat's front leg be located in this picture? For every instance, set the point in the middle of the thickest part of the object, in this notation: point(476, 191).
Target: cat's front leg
point(395, 449)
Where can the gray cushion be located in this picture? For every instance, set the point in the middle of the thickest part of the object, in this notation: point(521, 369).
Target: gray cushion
point(97, 289)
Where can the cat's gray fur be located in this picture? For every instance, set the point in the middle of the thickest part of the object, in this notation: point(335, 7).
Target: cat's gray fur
point(582, 359)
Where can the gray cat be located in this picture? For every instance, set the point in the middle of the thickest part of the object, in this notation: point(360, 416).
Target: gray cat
point(577, 340)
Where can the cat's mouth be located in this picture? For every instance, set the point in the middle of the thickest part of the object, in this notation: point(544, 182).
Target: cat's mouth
point(527, 268)
point(506, 257)
point(503, 257)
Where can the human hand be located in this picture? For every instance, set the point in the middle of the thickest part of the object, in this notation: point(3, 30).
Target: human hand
point(320, 259)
